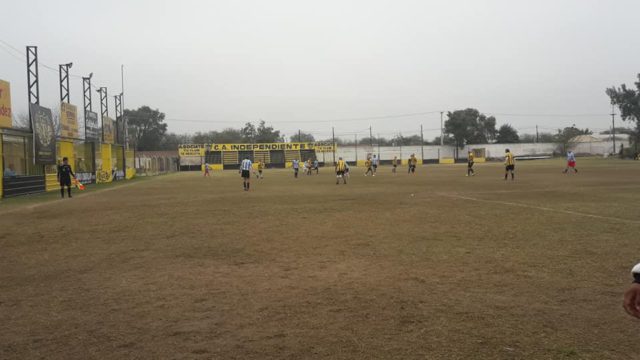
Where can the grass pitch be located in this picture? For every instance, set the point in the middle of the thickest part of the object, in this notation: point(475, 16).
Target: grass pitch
point(435, 265)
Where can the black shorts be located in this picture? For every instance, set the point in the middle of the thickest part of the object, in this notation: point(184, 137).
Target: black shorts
point(470, 164)
point(510, 167)
point(246, 174)
point(375, 166)
point(412, 168)
point(394, 165)
point(65, 182)
point(339, 173)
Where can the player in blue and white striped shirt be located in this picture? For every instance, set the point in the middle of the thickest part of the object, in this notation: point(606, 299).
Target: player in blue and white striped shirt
point(245, 170)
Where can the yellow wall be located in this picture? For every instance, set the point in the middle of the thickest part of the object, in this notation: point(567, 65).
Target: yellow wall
point(104, 174)
point(360, 163)
point(480, 160)
point(447, 161)
point(51, 182)
point(65, 149)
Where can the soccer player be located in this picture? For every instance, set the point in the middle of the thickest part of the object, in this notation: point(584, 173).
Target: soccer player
point(394, 163)
point(260, 166)
point(375, 162)
point(341, 168)
point(316, 166)
point(571, 162)
point(632, 295)
point(206, 170)
point(413, 161)
point(470, 158)
point(64, 176)
point(308, 166)
point(245, 172)
point(296, 167)
point(510, 164)
point(368, 165)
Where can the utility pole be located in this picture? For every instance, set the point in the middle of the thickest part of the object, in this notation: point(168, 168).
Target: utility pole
point(370, 138)
point(441, 129)
point(613, 126)
point(378, 147)
point(333, 140)
point(299, 136)
point(537, 140)
point(422, 142)
point(356, 137)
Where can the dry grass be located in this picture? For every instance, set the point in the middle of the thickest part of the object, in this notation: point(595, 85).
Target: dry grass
point(185, 267)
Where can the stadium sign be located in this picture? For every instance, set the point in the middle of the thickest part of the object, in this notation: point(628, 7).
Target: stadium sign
point(44, 135)
point(5, 104)
point(199, 149)
point(68, 121)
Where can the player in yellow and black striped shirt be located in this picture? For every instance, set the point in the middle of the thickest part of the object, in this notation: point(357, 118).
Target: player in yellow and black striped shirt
point(368, 164)
point(470, 159)
point(260, 166)
point(510, 164)
point(341, 168)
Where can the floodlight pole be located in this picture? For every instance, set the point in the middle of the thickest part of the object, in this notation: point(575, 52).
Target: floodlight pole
point(63, 71)
point(33, 84)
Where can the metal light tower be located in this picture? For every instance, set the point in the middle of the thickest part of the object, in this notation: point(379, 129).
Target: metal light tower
point(104, 108)
point(86, 91)
point(33, 85)
point(64, 81)
point(118, 103)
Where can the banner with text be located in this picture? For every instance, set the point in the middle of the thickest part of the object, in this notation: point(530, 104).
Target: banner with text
point(44, 135)
point(5, 104)
point(91, 127)
point(68, 121)
point(108, 129)
point(200, 149)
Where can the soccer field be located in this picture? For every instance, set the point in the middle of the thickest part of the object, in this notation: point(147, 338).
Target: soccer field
point(436, 266)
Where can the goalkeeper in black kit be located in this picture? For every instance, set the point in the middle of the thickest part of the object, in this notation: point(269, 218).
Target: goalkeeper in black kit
point(64, 176)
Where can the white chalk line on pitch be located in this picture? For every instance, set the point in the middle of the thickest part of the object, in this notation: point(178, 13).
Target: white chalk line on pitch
point(543, 208)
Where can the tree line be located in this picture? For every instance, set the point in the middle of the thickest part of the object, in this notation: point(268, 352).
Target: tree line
point(148, 131)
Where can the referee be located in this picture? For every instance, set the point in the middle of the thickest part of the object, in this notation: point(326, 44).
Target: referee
point(245, 172)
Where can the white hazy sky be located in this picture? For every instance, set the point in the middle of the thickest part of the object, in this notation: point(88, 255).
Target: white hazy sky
point(311, 65)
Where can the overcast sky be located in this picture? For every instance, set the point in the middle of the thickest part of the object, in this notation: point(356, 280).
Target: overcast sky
point(313, 65)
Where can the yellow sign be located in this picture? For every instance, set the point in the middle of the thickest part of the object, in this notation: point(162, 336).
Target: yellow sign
point(5, 104)
point(108, 130)
point(68, 121)
point(191, 150)
point(200, 149)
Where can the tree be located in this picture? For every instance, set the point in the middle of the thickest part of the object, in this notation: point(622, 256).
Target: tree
point(469, 126)
point(171, 141)
point(248, 133)
point(565, 135)
point(302, 136)
point(507, 135)
point(628, 101)
point(400, 140)
point(146, 127)
point(266, 134)
point(448, 140)
point(227, 135)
